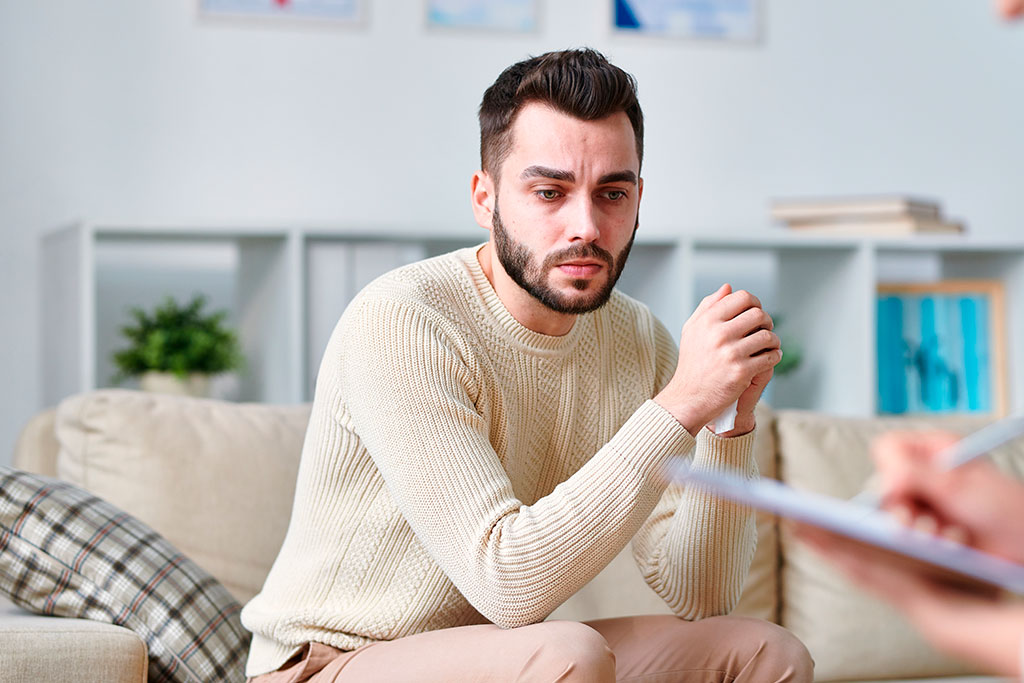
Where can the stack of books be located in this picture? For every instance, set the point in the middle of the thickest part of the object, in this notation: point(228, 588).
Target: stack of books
point(895, 215)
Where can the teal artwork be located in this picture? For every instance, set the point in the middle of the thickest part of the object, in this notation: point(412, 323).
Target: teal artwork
point(935, 353)
point(501, 15)
point(718, 19)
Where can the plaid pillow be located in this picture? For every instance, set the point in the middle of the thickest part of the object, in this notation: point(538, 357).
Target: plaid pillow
point(67, 553)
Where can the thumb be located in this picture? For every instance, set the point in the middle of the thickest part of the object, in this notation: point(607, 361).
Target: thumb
point(752, 394)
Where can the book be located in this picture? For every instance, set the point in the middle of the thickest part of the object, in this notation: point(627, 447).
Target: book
point(939, 556)
point(794, 211)
point(888, 226)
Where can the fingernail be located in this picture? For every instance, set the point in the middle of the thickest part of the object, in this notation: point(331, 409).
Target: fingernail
point(927, 524)
point(957, 534)
point(901, 514)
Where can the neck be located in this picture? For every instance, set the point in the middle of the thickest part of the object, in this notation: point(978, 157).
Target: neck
point(528, 312)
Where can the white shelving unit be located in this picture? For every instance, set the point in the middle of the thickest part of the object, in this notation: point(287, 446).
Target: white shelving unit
point(285, 288)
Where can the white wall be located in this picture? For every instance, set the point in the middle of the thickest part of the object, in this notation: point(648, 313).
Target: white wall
point(124, 110)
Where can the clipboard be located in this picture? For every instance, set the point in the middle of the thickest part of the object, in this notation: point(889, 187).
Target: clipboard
point(859, 522)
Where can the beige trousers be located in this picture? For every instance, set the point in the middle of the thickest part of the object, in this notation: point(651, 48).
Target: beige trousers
point(652, 649)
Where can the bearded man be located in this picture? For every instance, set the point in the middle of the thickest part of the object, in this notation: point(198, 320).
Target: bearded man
point(491, 427)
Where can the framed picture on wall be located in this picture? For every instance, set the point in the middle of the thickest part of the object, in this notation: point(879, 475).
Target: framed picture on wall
point(941, 348)
point(495, 15)
point(311, 11)
point(726, 20)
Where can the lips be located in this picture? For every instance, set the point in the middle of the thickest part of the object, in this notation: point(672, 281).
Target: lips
point(581, 269)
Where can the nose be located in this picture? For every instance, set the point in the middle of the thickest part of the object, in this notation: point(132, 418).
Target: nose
point(583, 223)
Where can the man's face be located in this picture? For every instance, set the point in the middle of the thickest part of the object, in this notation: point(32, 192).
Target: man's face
point(522, 266)
point(565, 211)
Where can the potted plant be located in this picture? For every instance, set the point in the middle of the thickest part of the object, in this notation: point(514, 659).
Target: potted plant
point(176, 349)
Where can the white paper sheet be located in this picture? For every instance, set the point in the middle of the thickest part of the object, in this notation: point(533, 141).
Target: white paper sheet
point(859, 522)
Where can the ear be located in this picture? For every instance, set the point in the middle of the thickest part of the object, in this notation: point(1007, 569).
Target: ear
point(483, 196)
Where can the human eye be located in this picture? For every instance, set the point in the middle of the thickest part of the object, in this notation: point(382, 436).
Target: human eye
point(548, 194)
point(615, 195)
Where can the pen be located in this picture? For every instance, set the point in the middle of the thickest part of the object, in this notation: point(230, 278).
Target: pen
point(983, 441)
point(960, 453)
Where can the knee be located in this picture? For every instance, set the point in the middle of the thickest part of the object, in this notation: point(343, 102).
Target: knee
point(569, 652)
point(781, 655)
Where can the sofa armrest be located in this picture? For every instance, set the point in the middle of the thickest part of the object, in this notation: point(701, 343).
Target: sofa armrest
point(37, 447)
point(38, 648)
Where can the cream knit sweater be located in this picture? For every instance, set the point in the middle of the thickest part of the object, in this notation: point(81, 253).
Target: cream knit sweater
point(460, 468)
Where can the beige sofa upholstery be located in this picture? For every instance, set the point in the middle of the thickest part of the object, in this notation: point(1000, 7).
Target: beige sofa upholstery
point(217, 480)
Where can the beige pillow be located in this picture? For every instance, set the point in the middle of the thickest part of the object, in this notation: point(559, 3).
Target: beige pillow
point(619, 590)
point(850, 634)
point(215, 478)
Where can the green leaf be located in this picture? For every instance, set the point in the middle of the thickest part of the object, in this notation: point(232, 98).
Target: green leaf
point(176, 338)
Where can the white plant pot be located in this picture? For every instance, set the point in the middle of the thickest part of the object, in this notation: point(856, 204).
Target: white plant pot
point(196, 384)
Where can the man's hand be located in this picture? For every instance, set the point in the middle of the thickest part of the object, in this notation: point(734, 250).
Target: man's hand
point(727, 352)
point(745, 422)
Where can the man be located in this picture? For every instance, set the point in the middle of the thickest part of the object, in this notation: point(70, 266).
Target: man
point(484, 441)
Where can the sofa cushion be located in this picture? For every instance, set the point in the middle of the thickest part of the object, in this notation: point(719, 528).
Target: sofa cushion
point(65, 552)
point(37, 648)
point(215, 478)
point(850, 634)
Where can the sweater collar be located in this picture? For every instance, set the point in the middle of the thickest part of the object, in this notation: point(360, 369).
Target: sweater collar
point(505, 321)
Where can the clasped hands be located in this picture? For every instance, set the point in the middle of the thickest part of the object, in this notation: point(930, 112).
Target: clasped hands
point(727, 352)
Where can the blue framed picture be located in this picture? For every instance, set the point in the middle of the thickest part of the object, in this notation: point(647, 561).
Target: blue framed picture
point(727, 20)
point(941, 348)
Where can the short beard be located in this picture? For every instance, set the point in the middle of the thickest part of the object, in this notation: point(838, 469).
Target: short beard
point(518, 262)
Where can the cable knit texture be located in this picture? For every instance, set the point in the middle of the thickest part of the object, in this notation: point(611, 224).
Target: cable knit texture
point(460, 468)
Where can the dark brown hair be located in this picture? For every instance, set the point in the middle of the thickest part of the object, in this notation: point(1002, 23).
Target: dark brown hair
point(580, 83)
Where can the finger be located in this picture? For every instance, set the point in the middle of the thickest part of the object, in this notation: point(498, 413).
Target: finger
point(767, 361)
point(752, 394)
point(902, 447)
point(735, 303)
point(905, 460)
point(749, 321)
point(902, 514)
point(897, 456)
point(956, 534)
point(757, 343)
point(762, 362)
point(926, 524)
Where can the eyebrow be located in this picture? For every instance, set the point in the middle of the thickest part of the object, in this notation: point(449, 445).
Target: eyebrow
point(546, 172)
point(570, 177)
point(618, 177)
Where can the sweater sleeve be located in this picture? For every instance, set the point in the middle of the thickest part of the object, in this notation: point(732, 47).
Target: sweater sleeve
point(695, 549)
point(409, 381)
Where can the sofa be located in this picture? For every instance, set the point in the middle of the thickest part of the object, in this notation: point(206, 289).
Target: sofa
point(215, 480)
